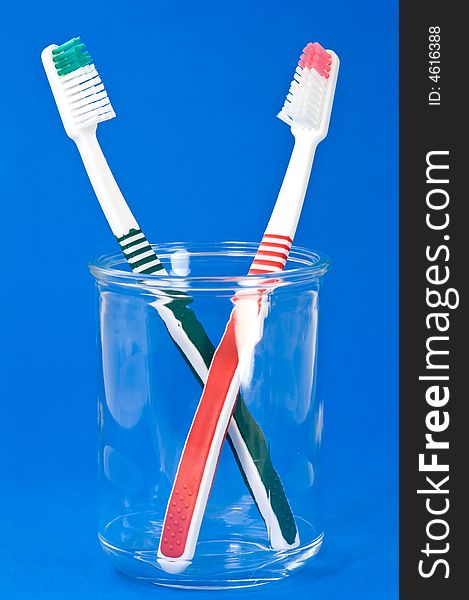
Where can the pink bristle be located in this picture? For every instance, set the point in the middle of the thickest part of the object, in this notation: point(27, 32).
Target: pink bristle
point(315, 57)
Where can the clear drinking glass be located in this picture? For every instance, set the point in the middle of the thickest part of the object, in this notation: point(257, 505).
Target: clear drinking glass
point(148, 396)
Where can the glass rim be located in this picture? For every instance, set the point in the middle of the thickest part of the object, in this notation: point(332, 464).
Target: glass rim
point(311, 265)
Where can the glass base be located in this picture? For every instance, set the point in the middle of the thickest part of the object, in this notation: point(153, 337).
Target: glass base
point(236, 559)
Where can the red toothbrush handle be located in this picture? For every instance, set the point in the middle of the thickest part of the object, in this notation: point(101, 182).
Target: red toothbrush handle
point(182, 503)
point(272, 254)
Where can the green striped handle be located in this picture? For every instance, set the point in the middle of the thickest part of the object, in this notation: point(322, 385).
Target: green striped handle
point(139, 254)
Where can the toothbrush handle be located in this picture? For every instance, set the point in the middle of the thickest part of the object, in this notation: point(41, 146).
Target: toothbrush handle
point(113, 204)
point(137, 251)
point(272, 254)
point(286, 213)
point(198, 462)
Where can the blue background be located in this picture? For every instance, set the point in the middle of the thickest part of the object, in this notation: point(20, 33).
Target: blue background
point(199, 155)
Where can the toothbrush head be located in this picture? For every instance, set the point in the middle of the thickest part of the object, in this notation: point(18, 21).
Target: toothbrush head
point(77, 87)
point(309, 101)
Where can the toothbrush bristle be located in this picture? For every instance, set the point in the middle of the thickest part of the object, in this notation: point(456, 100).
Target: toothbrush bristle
point(87, 99)
point(315, 57)
point(71, 56)
point(305, 100)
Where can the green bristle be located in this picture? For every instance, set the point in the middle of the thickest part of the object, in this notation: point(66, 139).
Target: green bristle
point(71, 56)
point(67, 45)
